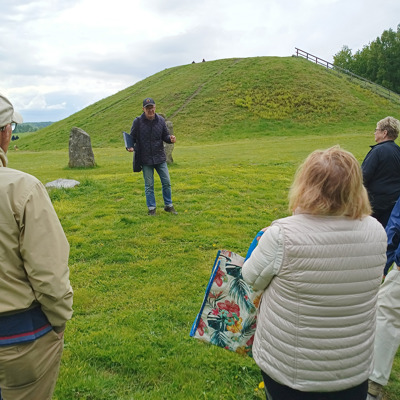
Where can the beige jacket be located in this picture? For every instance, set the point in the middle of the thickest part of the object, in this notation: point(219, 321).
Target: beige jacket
point(33, 249)
point(316, 322)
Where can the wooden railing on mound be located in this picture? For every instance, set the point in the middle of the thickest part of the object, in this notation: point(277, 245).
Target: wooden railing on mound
point(378, 89)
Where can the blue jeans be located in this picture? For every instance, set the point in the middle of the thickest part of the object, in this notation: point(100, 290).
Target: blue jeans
point(148, 175)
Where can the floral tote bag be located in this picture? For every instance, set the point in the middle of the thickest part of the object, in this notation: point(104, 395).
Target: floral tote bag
point(228, 314)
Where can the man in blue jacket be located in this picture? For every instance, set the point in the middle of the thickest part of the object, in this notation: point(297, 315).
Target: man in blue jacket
point(148, 132)
point(381, 168)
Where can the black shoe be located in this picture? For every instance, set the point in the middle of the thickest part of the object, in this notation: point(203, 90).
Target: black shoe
point(170, 209)
point(152, 212)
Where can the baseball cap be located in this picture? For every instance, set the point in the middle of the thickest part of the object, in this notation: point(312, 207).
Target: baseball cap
point(148, 101)
point(7, 112)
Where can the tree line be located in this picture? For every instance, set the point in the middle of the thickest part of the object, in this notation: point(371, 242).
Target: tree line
point(30, 127)
point(378, 62)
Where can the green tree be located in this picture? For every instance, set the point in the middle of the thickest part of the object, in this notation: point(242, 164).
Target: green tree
point(378, 62)
point(344, 58)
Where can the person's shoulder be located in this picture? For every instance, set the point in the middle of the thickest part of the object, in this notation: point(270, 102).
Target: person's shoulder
point(386, 145)
point(388, 148)
point(372, 223)
point(160, 118)
point(394, 145)
point(17, 172)
point(138, 120)
point(380, 149)
point(14, 176)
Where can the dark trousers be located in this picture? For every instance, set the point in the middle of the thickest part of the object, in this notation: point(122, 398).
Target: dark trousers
point(383, 216)
point(276, 391)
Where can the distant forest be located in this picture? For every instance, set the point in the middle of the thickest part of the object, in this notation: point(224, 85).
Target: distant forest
point(28, 127)
point(378, 62)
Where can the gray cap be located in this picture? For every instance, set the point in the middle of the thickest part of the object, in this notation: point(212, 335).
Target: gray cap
point(7, 113)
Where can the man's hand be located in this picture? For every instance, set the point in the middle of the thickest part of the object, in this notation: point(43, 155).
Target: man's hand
point(5, 138)
point(130, 149)
point(173, 138)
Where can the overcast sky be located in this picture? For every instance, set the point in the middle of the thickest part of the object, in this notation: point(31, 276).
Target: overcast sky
point(59, 56)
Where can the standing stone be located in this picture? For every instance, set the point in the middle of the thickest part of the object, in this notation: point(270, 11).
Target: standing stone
point(169, 147)
point(80, 149)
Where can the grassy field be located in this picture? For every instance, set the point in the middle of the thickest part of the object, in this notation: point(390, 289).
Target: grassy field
point(243, 126)
point(139, 281)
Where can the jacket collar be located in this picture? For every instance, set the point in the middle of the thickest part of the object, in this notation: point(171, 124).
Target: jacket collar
point(386, 141)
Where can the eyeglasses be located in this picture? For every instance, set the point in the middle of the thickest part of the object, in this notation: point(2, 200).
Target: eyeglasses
point(13, 126)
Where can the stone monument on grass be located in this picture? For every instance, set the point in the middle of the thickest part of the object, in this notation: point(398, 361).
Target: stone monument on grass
point(80, 149)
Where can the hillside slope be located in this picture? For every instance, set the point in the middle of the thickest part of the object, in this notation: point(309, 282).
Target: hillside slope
point(229, 99)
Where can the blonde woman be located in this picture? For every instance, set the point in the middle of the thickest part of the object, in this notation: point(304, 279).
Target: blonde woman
point(320, 270)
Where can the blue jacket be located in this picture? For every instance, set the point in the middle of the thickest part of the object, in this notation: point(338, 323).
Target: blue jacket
point(381, 175)
point(393, 234)
point(149, 136)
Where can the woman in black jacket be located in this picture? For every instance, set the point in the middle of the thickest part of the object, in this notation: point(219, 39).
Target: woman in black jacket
point(381, 169)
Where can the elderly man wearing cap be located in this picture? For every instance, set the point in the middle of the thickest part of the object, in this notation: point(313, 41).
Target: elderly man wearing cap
point(35, 291)
point(148, 132)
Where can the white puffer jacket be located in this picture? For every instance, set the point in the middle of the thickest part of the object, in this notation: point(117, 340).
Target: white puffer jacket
point(316, 322)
